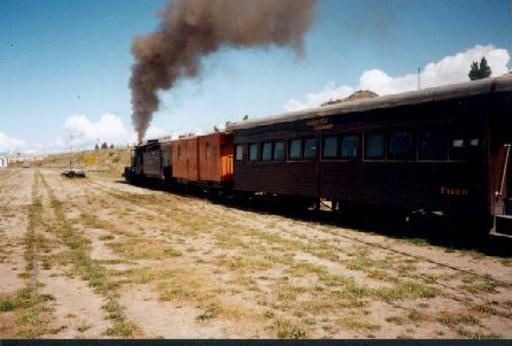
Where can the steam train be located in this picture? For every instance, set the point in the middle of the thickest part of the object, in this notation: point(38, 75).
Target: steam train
point(443, 149)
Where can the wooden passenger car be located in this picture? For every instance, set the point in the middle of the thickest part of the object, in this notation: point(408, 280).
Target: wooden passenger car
point(438, 149)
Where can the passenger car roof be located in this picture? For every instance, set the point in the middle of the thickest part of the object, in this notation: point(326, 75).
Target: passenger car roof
point(446, 92)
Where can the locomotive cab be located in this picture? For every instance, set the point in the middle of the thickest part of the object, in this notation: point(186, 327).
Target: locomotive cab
point(151, 162)
point(134, 172)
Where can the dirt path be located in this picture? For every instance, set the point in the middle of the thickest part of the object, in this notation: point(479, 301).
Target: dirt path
point(124, 261)
point(15, 199)
point(43, 297)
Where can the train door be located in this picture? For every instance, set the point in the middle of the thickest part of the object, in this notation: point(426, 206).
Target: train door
point(503, 190)
point(166, 162)
point(507, 183)
point(502, 186)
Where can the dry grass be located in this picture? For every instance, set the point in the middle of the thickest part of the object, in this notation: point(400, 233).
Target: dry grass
point(141, 248)
point(256, 252)
point(111, 161)
point(90, 270)
point(451, 319)
point(32, 314)
point(291, 279)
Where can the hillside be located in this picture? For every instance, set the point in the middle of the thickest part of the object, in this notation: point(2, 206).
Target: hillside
point(107, 160)
point(358, 95)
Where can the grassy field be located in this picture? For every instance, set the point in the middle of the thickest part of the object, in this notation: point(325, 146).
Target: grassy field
point(95, 258)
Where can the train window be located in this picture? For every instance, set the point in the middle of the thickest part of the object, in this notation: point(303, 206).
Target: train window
point(207, 151)
point(239, 152)
point(433, 146)
point(464, 144)
point(374, 146)
point(179, 152)
point(458, 149)
point(295, 149)
point(330, 147)
point(400, 146)
point(473, 150)
point(349, 146)
point(279, 151)
point(310, 148)
point(266, 151)
point(253, 152)
point(458, 143)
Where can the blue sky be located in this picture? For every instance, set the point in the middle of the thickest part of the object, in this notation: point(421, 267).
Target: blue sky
point(60, 59)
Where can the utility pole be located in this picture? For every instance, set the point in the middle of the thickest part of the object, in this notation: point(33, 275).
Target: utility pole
point(419, 81)
point(71, 150)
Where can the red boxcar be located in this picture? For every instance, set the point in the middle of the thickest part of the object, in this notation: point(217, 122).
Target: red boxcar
point(216, 157)
point(207, 158)
point(185, 165)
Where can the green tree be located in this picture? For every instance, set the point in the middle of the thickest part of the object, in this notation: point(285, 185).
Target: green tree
point(474, 72)
point(479, 71)
point(485, 69)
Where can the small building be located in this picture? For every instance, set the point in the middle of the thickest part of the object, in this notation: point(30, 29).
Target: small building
point(3, 162)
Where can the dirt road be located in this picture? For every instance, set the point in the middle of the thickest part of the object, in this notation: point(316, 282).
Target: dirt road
point(97, 258)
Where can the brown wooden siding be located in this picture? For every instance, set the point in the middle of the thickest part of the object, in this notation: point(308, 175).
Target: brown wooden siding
point(287, 178)
point(217, 165)
point(403, 184)
point(185, 163)
point(207, 158)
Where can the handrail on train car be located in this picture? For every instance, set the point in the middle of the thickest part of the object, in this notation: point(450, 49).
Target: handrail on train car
point(504, 173)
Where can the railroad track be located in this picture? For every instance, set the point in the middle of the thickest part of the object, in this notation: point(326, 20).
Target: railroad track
point(422, 258)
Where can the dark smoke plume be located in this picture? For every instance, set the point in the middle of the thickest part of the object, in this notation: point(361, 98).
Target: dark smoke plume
point(192, 29)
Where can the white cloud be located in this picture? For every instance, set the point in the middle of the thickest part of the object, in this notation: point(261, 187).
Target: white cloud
point(10, 144)
point(152, 132)
point(451, 69)
point(82, 133)
point(330, 92)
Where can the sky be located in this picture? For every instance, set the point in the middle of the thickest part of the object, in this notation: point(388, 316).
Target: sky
point(65, 65)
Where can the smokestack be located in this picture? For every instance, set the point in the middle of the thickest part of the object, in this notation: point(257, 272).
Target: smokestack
point(192, 29)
